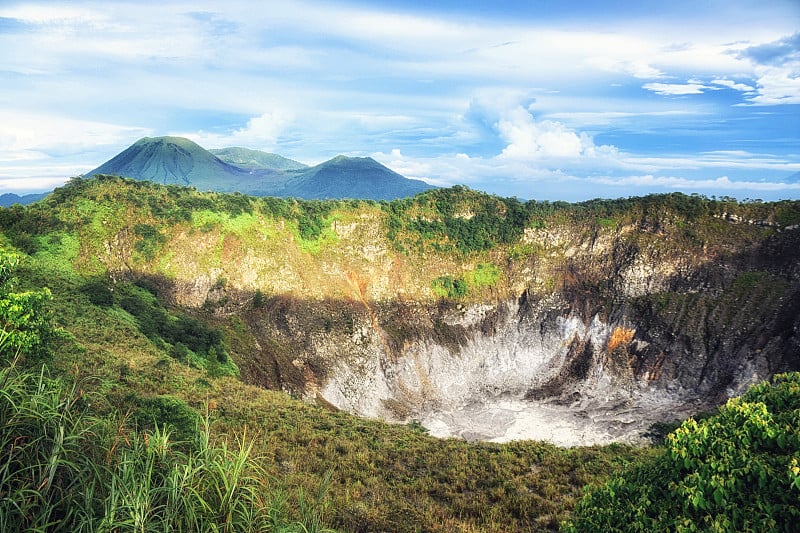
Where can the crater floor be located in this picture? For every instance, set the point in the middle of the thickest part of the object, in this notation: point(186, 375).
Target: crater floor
point(506, 419)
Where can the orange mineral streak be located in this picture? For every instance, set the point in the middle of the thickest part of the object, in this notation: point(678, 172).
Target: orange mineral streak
point(620, 337)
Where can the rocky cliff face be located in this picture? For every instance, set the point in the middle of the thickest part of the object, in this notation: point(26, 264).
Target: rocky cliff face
point(606, 336)
point(541, 367)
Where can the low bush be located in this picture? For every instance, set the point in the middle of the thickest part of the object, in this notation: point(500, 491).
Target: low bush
point(450, 287)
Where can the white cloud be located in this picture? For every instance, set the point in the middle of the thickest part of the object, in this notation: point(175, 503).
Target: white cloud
point(778, 85)
point(776, 65)
point(638, 68)
point(41, 151)
point(260, 133)
point(264, 129)
point(527, 138)
point(416, 168)
point(543, 157)
point(587, 178)
point(605, 118)
point(676, 89)
point(30, 185)
point(734, 85)
point(722, 183)
point(730, 160)
point(52, 14)
point(30, 136)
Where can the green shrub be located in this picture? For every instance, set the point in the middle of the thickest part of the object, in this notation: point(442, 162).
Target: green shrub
point(450, 287)
point(151, 240)
point(186, 334)
point(25, 327)
point(258, 299)
point(167, 411)
point(607, 223)
point(484, 275)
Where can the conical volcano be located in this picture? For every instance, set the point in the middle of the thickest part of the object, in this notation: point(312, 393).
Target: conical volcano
point(353, 177)
point(173, 160)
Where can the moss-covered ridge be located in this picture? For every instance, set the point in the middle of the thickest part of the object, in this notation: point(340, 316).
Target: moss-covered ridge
point(361, 249)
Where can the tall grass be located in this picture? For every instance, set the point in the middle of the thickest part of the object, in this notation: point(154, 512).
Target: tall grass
point(63, 469)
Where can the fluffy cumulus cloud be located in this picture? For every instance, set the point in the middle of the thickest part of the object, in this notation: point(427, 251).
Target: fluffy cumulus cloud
point(260, 132)
point(530, 139)
point(265, 128)
point(531, 153)
point(777, 69)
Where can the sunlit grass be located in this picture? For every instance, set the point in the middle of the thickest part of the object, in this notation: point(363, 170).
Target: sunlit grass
point(68, 470)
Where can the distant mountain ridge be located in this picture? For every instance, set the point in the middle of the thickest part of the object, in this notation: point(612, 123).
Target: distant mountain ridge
point(8, 199)
point(180, 161)
point(256, 159)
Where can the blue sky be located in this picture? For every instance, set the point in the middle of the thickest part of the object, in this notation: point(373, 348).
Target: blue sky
point(535, 99)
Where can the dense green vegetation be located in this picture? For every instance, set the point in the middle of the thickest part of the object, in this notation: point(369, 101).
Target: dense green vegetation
point(484, 275)
point(442, 220)
point(459, 219)
point(66, 469)
point(449, 287)
point(24, 321)
point(738, 470)
point(185, 338)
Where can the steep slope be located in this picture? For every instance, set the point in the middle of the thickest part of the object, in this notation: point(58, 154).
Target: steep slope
point(352, 177)
point(481, 317)
point(166, 160)
point(256, 159)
